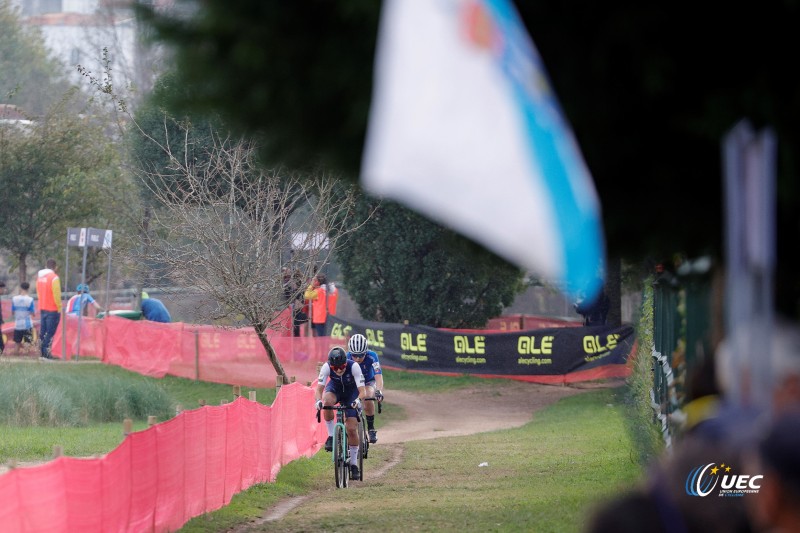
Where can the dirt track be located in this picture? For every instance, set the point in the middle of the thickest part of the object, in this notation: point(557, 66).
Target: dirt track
point(449, 414)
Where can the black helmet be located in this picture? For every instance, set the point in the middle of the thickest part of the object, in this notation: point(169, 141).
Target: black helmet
point(337, 356)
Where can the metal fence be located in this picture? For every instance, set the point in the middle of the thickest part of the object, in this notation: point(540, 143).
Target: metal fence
point(681, 339)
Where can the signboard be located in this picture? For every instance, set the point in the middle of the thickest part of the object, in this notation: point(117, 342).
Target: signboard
point(539, 352)
point(91, 237)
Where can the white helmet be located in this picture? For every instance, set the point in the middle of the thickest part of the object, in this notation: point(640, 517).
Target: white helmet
point(357, 343)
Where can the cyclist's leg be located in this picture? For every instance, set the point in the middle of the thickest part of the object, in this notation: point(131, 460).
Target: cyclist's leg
point(369, 412)
point(352, 437)
point(369, 407)
point(329, 398)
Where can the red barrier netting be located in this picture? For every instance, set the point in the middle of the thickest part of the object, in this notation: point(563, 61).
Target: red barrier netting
point(207, 353)
point(159, 478)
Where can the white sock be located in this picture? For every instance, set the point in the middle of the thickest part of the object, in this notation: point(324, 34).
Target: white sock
point(354, 455)
point(330, 424)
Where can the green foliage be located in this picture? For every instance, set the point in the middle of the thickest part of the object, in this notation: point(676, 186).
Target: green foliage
point(44, 395)
point(56, 172)
point(640, 419)
point(294, 75)
point(399, 266)
point(649, 90)
point(29, 79)
point(156, 136)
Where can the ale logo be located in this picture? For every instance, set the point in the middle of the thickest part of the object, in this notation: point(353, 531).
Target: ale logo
point(702, 481)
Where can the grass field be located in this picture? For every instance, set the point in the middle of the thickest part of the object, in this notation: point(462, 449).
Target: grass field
point(545, 476)
point(82, 406)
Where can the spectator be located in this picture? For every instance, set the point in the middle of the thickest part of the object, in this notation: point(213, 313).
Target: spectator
point(154, 309)
point(48, 289)
point(23, 308)
point(333, 298)
point(316, 294)
point(79, 304)
point(2, 342)
point(594, 310)
point(291, 291)
point(776, 507)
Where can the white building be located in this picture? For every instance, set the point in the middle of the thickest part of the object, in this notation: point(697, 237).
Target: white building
point(93, 34)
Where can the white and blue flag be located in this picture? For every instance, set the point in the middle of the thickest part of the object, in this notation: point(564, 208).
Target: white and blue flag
point(465, 129)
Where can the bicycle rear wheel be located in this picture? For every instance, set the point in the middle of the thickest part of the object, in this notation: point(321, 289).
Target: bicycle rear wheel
point(341, 468)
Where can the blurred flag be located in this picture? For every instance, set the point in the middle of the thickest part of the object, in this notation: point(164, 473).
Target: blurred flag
point(465, 129)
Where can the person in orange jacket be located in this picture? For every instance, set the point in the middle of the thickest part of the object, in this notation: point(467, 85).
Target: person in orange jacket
point(317, 296)
point(48, 290)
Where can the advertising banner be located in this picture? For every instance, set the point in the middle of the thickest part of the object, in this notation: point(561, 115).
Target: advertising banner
point(541, 355)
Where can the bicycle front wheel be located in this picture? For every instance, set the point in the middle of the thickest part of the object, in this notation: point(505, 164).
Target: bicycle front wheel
point(363, 438)
point(341, 468)
point(363, 446)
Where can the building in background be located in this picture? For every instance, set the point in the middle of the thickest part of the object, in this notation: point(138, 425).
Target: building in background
point(95, 34)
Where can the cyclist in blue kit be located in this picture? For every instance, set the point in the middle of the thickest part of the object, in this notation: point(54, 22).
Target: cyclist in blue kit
point(341, 381)
point(373, 377)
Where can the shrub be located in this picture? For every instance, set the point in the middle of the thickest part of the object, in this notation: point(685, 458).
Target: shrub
point(53, 395)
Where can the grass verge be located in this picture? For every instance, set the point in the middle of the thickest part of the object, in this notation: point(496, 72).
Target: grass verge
point(546, 476)
point(94, 399)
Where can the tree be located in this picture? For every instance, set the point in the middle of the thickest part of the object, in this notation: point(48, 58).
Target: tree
point(156, 128)
point(650, 89)
point(54, 172)
point(400, 266)
point(29, 78)
point(222, 228)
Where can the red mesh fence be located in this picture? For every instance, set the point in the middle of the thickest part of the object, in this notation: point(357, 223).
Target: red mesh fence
point(207, 353)
point(159, 478)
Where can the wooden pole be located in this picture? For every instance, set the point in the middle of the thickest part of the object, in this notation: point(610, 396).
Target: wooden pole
point(127, 427)
point(252, 395)
point(152, 420)
point(237, 391)
point(196, 355)
point(58, 451)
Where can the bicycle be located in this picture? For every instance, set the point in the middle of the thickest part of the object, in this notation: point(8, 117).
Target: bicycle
point(341, 451)
point(363, 433)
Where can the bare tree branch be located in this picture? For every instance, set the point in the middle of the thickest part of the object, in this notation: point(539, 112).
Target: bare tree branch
point(225, 226)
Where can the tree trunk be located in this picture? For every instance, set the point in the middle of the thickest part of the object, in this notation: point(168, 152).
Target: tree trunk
point(23, 267)
point(281, 378)
point(614, 291)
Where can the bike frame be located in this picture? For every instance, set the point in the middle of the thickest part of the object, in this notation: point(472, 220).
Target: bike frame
point(341, 451)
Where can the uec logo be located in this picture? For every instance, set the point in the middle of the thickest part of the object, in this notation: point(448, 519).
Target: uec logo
point(701, 481)
point(700, 484)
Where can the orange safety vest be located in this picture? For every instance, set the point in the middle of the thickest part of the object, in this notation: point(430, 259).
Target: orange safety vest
point(333, 297)
point(319, 313)
point(48, 289)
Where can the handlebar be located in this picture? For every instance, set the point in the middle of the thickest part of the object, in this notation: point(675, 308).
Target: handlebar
point(344, 407)
point(376, 400)
point(336, 408)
